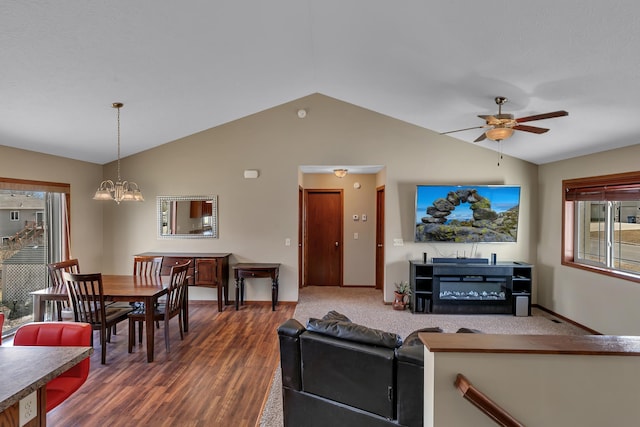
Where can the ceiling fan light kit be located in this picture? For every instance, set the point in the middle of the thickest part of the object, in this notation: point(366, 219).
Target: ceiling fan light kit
point(499, 133)
point(501, 126)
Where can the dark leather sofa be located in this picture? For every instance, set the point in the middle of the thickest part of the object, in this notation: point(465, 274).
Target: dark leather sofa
point(337, 373)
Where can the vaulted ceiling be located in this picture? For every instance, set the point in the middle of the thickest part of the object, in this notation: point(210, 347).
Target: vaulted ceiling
point(184, 66)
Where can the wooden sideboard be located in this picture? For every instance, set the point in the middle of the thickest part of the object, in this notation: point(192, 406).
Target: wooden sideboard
point(206, 269)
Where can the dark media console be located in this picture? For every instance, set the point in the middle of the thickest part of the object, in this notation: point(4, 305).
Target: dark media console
point(470, 286)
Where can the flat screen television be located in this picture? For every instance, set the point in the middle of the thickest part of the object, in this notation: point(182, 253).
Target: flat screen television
point(467, 213)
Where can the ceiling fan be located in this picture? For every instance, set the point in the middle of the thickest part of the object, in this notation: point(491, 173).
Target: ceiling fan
point(501, 126)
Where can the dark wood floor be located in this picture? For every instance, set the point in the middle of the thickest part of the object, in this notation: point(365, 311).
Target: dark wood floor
point(219, 375)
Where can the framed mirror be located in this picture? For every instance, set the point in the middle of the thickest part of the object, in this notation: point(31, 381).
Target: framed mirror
point(187, 217)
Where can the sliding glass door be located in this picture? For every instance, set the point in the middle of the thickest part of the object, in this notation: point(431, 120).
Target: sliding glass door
point(34, 229)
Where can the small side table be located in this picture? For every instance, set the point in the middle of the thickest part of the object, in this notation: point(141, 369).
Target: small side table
point(249, 270)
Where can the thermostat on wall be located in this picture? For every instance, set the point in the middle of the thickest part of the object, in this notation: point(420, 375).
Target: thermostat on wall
point(250, 173)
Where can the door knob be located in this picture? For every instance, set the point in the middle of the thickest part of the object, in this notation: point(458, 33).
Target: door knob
point(336, 244)
point(379, 245)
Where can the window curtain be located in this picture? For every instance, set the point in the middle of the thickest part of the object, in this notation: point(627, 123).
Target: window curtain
point(58, 230)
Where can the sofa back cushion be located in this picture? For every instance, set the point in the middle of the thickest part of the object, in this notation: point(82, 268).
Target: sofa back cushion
point(352, 373)
point(354, 332)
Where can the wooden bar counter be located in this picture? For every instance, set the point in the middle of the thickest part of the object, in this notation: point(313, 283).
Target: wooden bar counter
point(28, 370)
point(533, 344)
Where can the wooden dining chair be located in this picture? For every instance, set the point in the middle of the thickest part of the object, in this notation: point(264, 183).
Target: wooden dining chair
point(147, 265)
point(55, 279)
point(87, 297)
point(172, 307)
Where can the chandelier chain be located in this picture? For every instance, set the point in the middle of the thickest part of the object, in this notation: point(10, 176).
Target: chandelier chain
point(120, 190)
point(117, 106)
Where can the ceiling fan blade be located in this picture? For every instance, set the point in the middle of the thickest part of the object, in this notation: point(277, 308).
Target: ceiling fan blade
point(553, 114)
point(481, 137)
point(491, 120)
point(532, 129)
point(460, 130)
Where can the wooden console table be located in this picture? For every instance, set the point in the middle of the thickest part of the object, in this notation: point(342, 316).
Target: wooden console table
point(250, 270)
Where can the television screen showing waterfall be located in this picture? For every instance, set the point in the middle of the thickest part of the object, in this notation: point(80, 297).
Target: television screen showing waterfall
point(467, 213)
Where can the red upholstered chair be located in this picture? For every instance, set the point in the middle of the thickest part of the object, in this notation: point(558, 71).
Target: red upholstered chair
point(58, 334)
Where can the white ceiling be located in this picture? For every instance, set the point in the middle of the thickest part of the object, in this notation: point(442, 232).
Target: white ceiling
point(184, 66)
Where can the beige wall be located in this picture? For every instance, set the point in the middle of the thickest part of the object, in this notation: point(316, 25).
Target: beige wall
point(603, 303)
point(257, 215)
point(536, 389)
point(86, 214)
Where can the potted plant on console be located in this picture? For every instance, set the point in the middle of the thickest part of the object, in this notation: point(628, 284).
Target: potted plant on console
point(402, 295)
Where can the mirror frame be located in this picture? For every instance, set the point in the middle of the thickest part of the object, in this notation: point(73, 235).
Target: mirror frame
point(214, 216)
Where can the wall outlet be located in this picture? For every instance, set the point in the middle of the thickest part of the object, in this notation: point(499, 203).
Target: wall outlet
point(287, 242)
point(28, 408)
point(398, 242)
point(356, 236)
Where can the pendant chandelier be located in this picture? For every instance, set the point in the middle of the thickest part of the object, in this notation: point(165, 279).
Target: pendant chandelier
point(120, 191)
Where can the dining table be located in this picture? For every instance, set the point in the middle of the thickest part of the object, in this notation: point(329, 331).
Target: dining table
point(129, 288)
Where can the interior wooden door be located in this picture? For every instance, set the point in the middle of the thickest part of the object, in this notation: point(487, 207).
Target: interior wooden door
point(300, 235)
point(323, 229)
point(380, 237)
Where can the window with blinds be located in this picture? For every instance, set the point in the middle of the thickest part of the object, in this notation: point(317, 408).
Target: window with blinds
point(601, 226)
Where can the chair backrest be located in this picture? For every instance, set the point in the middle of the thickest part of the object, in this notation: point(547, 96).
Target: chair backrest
point(87, 297)
point(147, 265)
point(177, 289)
point(54, 334)
point(56, 269)
point(57, 334)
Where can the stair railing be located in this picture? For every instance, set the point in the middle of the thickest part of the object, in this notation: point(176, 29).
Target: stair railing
point(484, 403)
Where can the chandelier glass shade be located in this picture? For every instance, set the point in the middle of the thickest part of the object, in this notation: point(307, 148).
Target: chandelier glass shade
point(340, 173)
point(499, 133)
point(119, 191)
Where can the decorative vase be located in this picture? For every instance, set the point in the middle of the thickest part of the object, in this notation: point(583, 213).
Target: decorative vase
point(398, 302)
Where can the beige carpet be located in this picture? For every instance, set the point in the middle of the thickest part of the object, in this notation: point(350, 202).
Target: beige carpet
point(365, 306)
